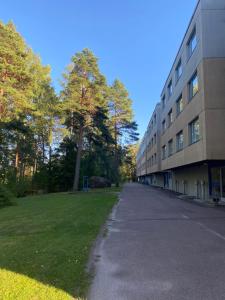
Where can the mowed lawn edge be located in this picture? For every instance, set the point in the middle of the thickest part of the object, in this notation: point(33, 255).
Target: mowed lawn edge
point(45, 243)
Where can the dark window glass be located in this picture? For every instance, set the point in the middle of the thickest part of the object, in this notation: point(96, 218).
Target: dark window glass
point(193, 86)
point(192, 43)
point(170, 117)
point(164, 152)
point(178, 70)
point(170, 148)
point(170, 89)
point(180, 105)
point(180, 141)
point(194, 131)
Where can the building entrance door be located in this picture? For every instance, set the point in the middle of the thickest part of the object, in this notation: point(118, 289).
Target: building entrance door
point(168, 180)
point(223, 183)
point(218, 183)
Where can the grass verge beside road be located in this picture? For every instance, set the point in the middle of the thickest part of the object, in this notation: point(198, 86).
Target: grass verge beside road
point(45, 243)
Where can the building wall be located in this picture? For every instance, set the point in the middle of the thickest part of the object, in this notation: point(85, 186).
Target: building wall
point(213, 29)
point(192, 181)
point(153, 142)
point(213, 41)
point(146, 162)
point(192, 109)
point(214, 82)
point(208, 59)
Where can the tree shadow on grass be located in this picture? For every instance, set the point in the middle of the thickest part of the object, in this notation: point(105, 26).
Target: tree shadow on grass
point(48, 239)
point(43, 264)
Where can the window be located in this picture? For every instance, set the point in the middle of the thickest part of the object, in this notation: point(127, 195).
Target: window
point(154, 119)
point(194, 131)
point(193, 86)
point(163, 126)
point(180, 141)
point(163, 101)
point(180, 105)
point(170, 117)
point(192, 43)
point(155, 138)
point(164, 152)
point(170, 148)
point(155, 158)
point(170, 88)
point(178, 70)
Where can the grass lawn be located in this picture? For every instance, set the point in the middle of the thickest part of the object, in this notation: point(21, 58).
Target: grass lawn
point(45, 243)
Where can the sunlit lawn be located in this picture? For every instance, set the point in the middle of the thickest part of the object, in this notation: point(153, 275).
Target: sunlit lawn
point(45, 243)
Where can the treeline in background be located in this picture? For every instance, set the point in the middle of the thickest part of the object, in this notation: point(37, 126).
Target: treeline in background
point(49, 142)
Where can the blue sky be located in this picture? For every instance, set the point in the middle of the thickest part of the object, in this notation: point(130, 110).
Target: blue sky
point(135, 40)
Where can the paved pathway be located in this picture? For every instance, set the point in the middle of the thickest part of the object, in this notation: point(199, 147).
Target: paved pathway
point(160, 247)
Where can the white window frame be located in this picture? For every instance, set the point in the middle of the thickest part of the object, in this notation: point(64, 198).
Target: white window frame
point(170, 117)
point(164, 152)
point(170, 88)
point(163, 126)
point(190, 48)
point(178, 141)
point(170, 150)
point(179, 67)
point(193, 137)
point(178, 103)
point(191, 91)
point(163, 101)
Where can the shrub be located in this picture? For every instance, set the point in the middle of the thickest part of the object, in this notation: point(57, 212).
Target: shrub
point(21, 188)
point(99, 182)
point(6, 198)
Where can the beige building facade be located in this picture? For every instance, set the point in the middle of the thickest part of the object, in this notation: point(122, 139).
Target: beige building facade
point(183, 148)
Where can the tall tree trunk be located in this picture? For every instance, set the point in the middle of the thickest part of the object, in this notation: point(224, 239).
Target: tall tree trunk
point(43, 149)
point(78, 159)
point(35, 167)
point(50, 170)
point(21, 167)
point(117, 168)
point(17, 161)
point(35, 158)
point(117, 179)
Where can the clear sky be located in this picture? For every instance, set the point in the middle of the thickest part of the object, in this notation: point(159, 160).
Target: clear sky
point(135, 40)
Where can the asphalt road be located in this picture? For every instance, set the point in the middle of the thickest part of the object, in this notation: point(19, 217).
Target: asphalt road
point(160, 247)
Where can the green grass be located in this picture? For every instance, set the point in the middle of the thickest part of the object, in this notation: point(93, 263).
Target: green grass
point(45, 243)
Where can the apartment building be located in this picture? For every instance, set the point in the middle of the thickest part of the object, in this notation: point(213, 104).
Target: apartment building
point(149, 155)
point(188, 155)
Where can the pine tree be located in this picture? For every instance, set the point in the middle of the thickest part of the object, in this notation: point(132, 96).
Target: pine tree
point(21, 74)
point(84, 92)
point(121, 117)
point(25, 101)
